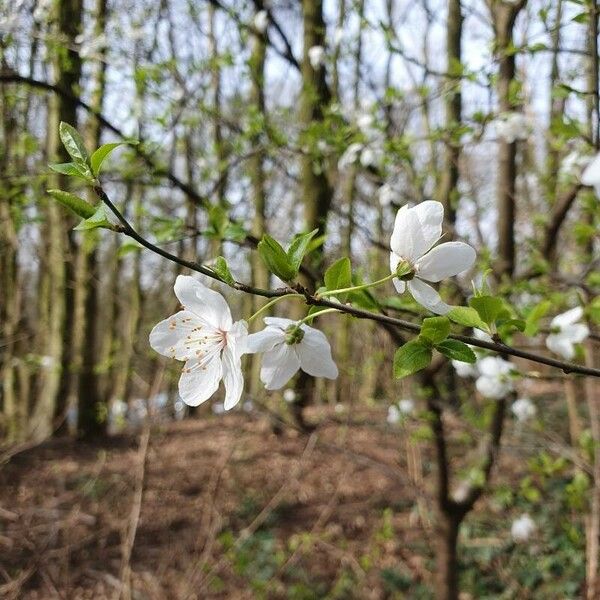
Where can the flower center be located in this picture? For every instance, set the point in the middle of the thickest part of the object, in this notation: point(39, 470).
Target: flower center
point(293, 335)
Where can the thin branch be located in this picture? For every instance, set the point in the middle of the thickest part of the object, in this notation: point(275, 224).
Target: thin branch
point(313, 299)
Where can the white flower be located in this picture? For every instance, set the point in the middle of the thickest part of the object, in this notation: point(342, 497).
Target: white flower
point(415, 232)
point(494, 377)
point(288, 347)
point(591, 174)
point(464, 369)
point(522, 528)
point(204, 335)
point(289, 395)
point(316, 56)
point(512, 126)
point(261, 21)
point(523, 409)
point(566, 332)
point(406, 406)
point(393, 415)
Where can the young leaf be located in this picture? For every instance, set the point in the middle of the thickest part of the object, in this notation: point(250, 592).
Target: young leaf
point(73, 143)
point(467, 317)
point(410, 358)
point(435, 329)
point(99, 219)
point(488, 307)
point(99, 155)
point(456, 350)
point(72, 170)
point(299, 247)
point(533, 318)
point(74, 203)
point(339, 275)
point(275, 258)
point(221, 268)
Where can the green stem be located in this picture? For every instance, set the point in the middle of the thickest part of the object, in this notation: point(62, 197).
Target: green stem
point(317, 314)
point(271, 303)
point(357, 288)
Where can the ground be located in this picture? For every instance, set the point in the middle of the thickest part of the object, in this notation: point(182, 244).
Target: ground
point(222, 507)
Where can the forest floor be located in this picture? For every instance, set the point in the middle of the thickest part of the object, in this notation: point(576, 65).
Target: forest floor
point(221, 507)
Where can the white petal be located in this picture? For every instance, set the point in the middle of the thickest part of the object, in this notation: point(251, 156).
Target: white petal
point(494, 388)
point(314, 352)
point(203, 302)
point(399, 285)
point(200, 379)
point(417, 229)
point(560, 345)
point(233, 377)
point(265, 340)
point(591, 174)
point(445, 260)
point(494, 366)
point(238, 336)
point(426, 296)
point(576, 333)
point(280, 322)
point(407, 239)
point(279, 366)
point(169, 337)
point(567, 318)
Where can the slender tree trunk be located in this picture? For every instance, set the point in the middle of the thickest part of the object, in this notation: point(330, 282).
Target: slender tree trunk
point(448, 190)
point(89, 398)
point(315, 189)
point(57, 272)
point(256, 169)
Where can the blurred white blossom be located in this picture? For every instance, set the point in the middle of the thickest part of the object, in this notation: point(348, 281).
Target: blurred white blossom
point(512, 126)
point(591, 174)
point(494, 379)
point(316, 56)
point(522, 528)
point(523, 409)
point(565, 332)
point(261, 21)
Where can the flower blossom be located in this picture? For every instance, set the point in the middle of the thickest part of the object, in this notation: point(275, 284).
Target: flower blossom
point(289, 346)
point(522, 528)
point(494, 379)
point(523, 409)
point(565, 332)
point(316, 56)
point(591, 174)
point(512, 126)
point(416, 231)
point(203, 335)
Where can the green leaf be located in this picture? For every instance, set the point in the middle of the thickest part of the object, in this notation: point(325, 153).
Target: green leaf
point(435, 329)
point(467, 317)
point(98, 219)
point(299, 247)
point(222, 270)
point(219, 219)
point(100, 155)
point(72, 170)
point(128, 247)
point(276, 258)
point(488, 307)
point(456, 350)
point(339, 275)
point(74, 203)
point(73, 142)
point(410, 358)
point(533, 318)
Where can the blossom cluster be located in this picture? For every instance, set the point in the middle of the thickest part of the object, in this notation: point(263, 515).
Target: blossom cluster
point(204, 335)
